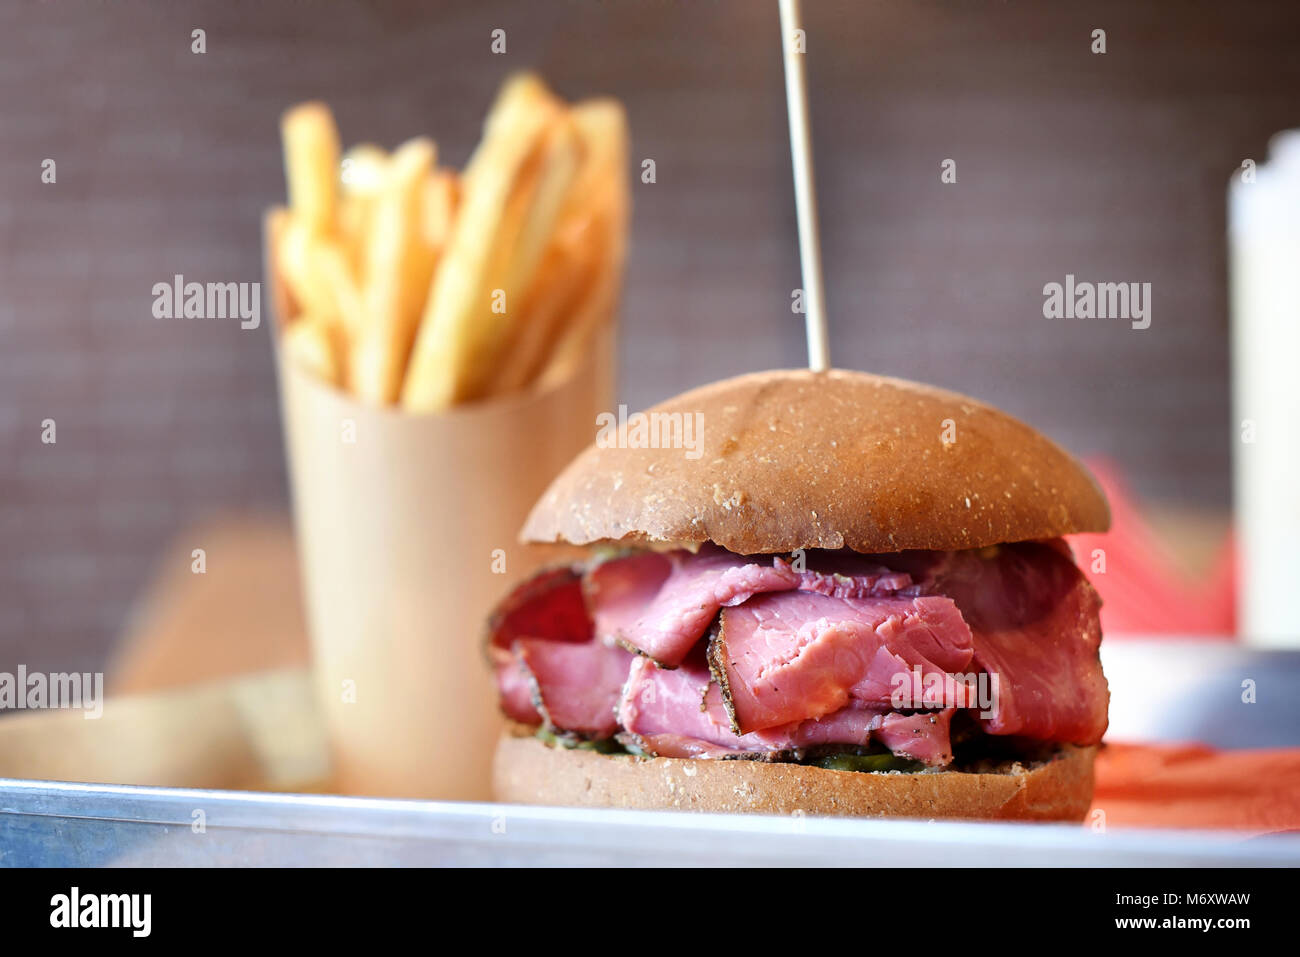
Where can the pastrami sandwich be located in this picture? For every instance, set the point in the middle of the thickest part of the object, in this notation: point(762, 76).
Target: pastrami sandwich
point(850, 595)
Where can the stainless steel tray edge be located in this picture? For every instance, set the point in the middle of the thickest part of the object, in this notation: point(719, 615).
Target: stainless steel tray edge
point(45, 823)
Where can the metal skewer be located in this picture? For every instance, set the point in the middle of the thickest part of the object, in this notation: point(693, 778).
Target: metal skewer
point(805, 195)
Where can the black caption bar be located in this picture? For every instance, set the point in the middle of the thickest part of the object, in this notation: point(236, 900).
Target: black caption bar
point(331, 906)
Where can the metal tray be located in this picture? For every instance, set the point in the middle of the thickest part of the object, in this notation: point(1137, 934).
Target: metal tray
point(1161, 691)
point(51, 824)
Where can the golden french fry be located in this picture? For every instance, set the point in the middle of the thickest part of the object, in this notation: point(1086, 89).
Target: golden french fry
point(559, 167)
point(572, 264)
point(511, 196)
point(597, 216)
point(333, 272)
point(297, 258)
point(318, 275)
point(440, 195)
point(514, 126)
point(354, 225)
point(568, 266)
point(397, 271)
point(311, 162)
point(603, 128)
point(362, 174)
point(315, 345)
point(417, 285)
point(595, 308)
point(285, 308)
point(537, 221)
point(363, 170)
point(548, 306)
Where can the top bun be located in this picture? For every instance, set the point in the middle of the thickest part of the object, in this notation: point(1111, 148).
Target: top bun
point(795, 459)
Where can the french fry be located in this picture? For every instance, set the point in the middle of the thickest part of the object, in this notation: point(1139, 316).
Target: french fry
point(332, 269)
point(440, 195)
point(315, 345)
point(571, 265)
point(311, 162)
point(397, 270)
point(603, 127)
point(416, 285)
point(284, 307)
point(567, 268)
point(298, 262)
point(559, 166)
point(537, 225)
point(354, 224)
point(319, 276)
point(459, 334)
point(602, 182)
point(362, 174)
point(595, 309)
point(363, 170)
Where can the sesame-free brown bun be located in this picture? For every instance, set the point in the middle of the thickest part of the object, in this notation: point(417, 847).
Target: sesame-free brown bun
point(796, 459)
point(529, 771)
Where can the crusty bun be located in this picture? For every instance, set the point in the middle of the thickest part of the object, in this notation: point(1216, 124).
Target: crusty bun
point(796, 459)
point(529, 771)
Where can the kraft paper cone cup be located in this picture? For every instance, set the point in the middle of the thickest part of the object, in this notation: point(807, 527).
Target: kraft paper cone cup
point(400, 521)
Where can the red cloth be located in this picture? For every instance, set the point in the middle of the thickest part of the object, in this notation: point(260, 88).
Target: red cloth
point(1143, 592)
point(1192, 786)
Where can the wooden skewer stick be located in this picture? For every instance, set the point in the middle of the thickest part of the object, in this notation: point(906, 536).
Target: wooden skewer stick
point(805, 195)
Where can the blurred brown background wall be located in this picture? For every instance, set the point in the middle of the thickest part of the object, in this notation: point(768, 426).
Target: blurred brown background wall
point(1111, 167)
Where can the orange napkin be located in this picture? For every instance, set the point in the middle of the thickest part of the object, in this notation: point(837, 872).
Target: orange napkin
point(1192, 786)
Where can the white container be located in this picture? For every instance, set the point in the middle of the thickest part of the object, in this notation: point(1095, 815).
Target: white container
point(1264, 266)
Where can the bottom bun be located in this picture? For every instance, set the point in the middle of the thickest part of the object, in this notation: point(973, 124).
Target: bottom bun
point(529, 771)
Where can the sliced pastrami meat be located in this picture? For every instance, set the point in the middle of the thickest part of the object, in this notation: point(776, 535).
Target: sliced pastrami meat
point(798, 655)
point(808, 656)
point(838, 575)
point(661, 604)
point(680, 713)
point(1036, 625)
point(924, 736)
point(575, 686)
point(549, 607)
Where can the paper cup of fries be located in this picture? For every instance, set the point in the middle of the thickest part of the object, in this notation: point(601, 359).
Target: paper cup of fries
point(444, 345)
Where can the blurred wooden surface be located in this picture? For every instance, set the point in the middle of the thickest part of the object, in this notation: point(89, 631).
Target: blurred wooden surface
point(243, 614)
point(260, 731)
point(209, 687)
